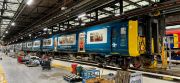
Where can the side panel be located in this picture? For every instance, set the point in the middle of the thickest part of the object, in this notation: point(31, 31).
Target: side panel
point(133, 38)
point(98, 39)
point(48, 44)
point(37, 45)
point(68, 42)
point(29, 46)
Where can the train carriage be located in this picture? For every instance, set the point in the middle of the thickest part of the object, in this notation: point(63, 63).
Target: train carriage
point(48, 44)
point(67, 42)
point(24, 46)
point(117, 42)
point(36, 45)
point(29, 46)
point(119, 39)
point(174, 41)
point(102, 39)
point(18, 47)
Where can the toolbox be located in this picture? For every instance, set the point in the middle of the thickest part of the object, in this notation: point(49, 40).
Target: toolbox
point(71, 78)
point(89, 74)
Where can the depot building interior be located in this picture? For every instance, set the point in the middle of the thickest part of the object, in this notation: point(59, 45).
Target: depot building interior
point(89, 41)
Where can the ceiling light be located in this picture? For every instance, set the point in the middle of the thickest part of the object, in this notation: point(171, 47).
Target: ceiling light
point(30, 35)
point(29, 2)
point(63, 8)
point(13, 24)
point(6, 31)
point(45, 29)
point(82, 15)
point(3, 36)
point(173, 27)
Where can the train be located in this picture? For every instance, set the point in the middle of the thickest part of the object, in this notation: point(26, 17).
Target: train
point(174, 40)
point(116, 43)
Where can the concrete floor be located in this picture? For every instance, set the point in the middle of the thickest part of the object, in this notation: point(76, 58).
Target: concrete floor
point(105, 72)
point(19, 73)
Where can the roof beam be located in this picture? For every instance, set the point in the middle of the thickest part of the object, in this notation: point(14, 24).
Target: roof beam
point(132, 3)
point(105, 11)
point(90, 17)
point(11, 11)
point(9, 2)
point(151, 2)
point(5, 17)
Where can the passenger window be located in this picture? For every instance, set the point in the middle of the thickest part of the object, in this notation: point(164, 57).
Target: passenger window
point(141, 30)
point(123, 36)
point(171, 40)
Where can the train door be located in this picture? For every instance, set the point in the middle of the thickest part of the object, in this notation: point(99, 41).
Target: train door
point(55, 44)
point(114, 40)
point(119, 39)
point(81, 42)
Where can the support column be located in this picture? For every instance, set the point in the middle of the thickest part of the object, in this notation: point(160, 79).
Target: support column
point(163, 52)
point(148, 36)
point(96, 15)
point(121, 6)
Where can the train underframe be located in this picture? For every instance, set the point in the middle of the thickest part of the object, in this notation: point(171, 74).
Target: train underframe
point(123, 62)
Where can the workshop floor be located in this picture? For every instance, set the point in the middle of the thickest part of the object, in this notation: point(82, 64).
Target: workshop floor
point(19, 73)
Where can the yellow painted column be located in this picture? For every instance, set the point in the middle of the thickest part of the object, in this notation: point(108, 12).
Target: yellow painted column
point(2, 75)
point(164, 58)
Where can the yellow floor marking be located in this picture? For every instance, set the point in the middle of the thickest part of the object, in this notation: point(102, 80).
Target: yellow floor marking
point(57, 64)
point(167, 78)
point(2, 75)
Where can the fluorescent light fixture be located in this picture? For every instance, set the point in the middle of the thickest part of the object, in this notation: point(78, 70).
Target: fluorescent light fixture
point(13, 24)
point(45, 29)
point(6, 31)
point(29, 2)
point(63, 8)
point(82, 15)
point(173, 27)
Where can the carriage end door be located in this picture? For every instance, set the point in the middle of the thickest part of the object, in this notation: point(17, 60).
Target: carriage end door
point(81, 42)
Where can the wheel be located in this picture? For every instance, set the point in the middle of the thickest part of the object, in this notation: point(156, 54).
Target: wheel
point(146, 61)
point(125, 64)
point(136, 62)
